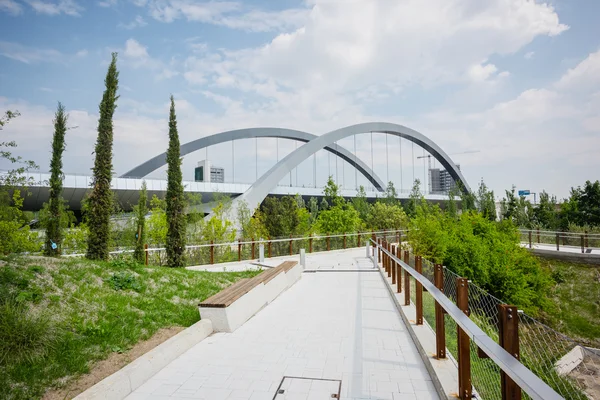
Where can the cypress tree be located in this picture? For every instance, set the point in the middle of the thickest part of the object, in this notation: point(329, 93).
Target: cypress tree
point(176, 223)
point(101, 198)
point(141, 209)
point(54, 233)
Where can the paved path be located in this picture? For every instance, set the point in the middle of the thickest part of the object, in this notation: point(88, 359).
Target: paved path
point(330, 325)
point(562, 249)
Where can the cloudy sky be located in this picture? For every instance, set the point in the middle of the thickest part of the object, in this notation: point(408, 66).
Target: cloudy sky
point(518, 80)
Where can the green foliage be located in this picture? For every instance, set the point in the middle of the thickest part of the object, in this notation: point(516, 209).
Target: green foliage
point(13, 177)
point(545, 213)
point(486, 204)
point(583, 206)
point(218, 228)
point(313, 209)
point(15, 236)
point(123, 281)
point(280, 216)
point(391, 195)
point(451, 207)
point(414, 199)
point(427, 236)
point(56, 209)
point(252, 226)
point(175, 198)
point(156, 224)
point(360, 203)
point(140, 211)
point(339, 219)
point(518, 210)
point(386, 216)
point(101, 198)
point(332, 194)
point(75, 240)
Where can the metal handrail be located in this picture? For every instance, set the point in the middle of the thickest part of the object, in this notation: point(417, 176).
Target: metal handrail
point(533, 385)
point(552, 233)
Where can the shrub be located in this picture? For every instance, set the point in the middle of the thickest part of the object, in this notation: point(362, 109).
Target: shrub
point(123, 281)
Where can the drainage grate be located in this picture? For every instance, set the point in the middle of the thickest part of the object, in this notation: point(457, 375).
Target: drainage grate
point(292, 387)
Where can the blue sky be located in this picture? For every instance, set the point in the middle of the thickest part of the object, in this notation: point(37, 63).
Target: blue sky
point(518, 80)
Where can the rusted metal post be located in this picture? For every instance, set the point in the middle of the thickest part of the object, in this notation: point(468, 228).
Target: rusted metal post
point(538, 235)
point(464, 355)
point(398, 271)
point(564, 237)
point(146, 251)
point(582, 244)
point(240, 249)
point(530, 239)
point(212, 251)
point(419, 291)
point(440, 327)
point(310, 243)
point(344, 241)
point(328, 246)
point(394, 266)
point(269, 248)
point(290, 244)
point(587, 243)
point(253, 249)
point(557, 241)
point(406, 280)
point(358, 240)
point(379, 251)
point(389, 260)
point(509, 340)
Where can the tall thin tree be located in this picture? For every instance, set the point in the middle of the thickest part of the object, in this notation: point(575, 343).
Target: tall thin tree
point(141, 209)
point(101, 198)
point(175, 201)
point(54, 233)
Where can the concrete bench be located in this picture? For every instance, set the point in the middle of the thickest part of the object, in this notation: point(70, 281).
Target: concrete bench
point(234, 305)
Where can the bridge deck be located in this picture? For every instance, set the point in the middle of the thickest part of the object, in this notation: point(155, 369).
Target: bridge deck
point(330, 325)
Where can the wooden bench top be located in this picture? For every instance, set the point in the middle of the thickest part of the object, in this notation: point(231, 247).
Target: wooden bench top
point(227, 296)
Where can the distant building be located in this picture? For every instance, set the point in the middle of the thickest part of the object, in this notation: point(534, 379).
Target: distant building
point(441, 180)
point(205, 172)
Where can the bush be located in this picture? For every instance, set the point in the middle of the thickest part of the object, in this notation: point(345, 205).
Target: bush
point(123, 281)
point(24, 336)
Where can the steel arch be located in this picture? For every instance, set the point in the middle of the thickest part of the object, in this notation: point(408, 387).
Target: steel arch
point(261, 188)
point(160, 160)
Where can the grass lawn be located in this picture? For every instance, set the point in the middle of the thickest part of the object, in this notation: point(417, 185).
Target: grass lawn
point(58, 317)
point(576, 297)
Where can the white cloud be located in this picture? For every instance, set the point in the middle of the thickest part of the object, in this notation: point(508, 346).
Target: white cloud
point(135, 51)
point(529, 55)
point(56, 7)
point(136, 55)
point(11, 7)
point(30, 55)
point(137, 22)
point(107, 3)
point(481, 72)
point(584, 76)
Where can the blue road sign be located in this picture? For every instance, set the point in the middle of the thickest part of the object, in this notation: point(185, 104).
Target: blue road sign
point(524, 193)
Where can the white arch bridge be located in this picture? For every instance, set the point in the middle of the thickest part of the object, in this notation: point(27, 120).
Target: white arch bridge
point(127, 185)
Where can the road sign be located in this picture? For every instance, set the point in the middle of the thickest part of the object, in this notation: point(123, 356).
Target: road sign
point(524, 193)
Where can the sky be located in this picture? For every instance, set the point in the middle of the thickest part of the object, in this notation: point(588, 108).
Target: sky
point(513, 85)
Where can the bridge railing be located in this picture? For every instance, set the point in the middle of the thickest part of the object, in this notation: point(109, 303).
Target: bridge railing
point(582, 240)
point(500, 350)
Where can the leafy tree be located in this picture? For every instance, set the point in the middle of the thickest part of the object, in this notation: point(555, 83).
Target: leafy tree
point(339, 219)
point(332, 193)
point(252, 226)
point(324, 205)
point(588, 201)
point(218, 228)
point(280, 216)
point(313, 209)
point(175, 198)
point(300, 201)
point(156, 224)
point(467, 199)
point(101, 198)
point(56, 207)
point(391, 195)
point(451, 208)
point(195, 216)
point(360, 203)
point(15, 237)
point(545, 212)
point(414, 199)
point(13, 177)
point(486, 204)
point(386, 216)
point(140, 210)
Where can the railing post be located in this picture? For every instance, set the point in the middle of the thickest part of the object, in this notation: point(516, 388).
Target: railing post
point(344, 241)
point(530, 239)
point(587, 243)
point(397, 236)
point(253, 249)
point(328, 244)
point(212, 251)
point(379, 241)
point(557, 242)
point(290, 244)
point(464, 354)
point(538, 235)
point(310, 238)
point(440, 327)
point(394, 266)
point(390, 261)
point(564, 238)
point(374, 240)
point(582, 244)
point(419, 291)
point(509, 340)
point(240, 249)
point(398, 271)
point(269, 248)
point(358, 244)
point(146, 251)
point(406, 280)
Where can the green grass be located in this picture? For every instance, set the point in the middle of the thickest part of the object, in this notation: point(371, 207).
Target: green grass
point(576, 297)
point(58, 317)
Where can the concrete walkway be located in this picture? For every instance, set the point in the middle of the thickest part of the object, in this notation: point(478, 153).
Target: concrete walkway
point(339, 328)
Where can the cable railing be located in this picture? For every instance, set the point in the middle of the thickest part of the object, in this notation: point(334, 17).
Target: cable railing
point(526, 354)
point(582, 240)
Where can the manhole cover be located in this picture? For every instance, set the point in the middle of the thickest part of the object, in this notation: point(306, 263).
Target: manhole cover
point(292, 387)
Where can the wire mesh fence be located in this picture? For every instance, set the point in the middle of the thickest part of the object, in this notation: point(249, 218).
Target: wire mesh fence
point(569, 367)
